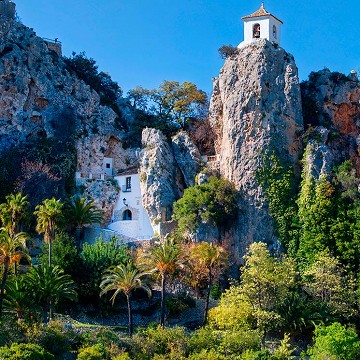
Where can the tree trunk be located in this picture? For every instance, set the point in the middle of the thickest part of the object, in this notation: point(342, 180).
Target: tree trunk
point(163, 283)
point(78, 231)
point(3, 283)
point(50, 252)
point(45, 315)
point(207, 300)
point(50, 310)
point(129, 314)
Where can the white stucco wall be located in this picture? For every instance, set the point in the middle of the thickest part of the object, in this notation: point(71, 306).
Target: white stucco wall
point(139, 227)
point(266, 29)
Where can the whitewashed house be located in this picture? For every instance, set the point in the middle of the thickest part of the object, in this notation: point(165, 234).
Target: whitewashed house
point(129, 217)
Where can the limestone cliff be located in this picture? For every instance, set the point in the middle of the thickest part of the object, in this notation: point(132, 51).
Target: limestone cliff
point(159, 177)
point(42, 98)
point(255, 108)
point(331, 107)
point(166, 169)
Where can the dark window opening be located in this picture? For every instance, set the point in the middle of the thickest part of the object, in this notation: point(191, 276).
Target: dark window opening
point(127, 215)
point(256, 31)
point(128, 183)
point(275, 32)
point(107, 165)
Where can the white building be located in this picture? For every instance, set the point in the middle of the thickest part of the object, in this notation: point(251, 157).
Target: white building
point(261, 25)
point(129, 217)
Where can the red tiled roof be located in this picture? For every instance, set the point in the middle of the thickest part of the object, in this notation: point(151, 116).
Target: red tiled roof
point(260, 13)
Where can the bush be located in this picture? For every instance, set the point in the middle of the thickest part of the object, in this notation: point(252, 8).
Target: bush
point(25, 352)
point(237, 342)
point(57, 340)
point(335, 342)
point(207, 355)
point(203, 339)
point(64, 254)
point(159, 341)
point(179, 304)
point(95, 352)
point(227, 51)
point(256, 355)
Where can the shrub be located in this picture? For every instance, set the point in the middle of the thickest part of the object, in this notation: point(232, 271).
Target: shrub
point(207, 355)
point(227, 51)
point(179, 304)
point(25, 352)
point(256, 355)
point(335, 342)
point(95, 352)
point(237, 342)
point(57, 340)
point(203, 339)
point(159, 341)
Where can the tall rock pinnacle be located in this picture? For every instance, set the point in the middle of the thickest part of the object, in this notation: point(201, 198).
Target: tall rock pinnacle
point(255, 108)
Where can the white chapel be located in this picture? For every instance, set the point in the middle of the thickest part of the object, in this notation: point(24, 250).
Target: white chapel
point(261, 25)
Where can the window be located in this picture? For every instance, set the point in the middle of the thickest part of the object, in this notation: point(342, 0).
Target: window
point(274, 32)
point(107, 165)
point(127, 215)
point(128, 183)
point(256, 31)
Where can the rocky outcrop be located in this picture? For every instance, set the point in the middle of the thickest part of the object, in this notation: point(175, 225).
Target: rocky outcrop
point(160, 179)
point(42, 98)
point(331, 106)
point(187, 157)
point(255, 108)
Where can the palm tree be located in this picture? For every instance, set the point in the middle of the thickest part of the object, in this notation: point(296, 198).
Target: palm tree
point(13, 212)
point(208, 261)
point(49, 215)
point(50, 285)
point(81, 212)
point(17, 297)
point(12, 249)
point(164, 258)
point(124, 278)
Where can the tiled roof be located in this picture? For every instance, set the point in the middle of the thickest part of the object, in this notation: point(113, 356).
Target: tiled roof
point(260, 13)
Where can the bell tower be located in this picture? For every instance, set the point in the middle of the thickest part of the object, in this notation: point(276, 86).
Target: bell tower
point(261, 25)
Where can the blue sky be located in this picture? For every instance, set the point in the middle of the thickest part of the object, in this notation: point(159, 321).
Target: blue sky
point(143, 42)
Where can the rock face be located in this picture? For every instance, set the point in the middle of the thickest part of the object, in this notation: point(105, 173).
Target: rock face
point(331, 108)
point(166, 170)
point(160, 180)
point(187, 157)
point(255, 108)
point(41, 98)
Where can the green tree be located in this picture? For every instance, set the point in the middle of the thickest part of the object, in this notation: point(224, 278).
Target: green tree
point(207, 263)
point(278, 182)
point(49, 216)
point(80, 212)
point(18, 297)
point(64, 254)
point(163, 258)
point(50, 285)
point(14, 212)
point(265, 283)
point(24, 352)
point(87, 70)
point(328, 283)
point(172, 102)
point(214, 202)
point(95, 259)
point(335, 342)
point(125, 279)
point(12, 249)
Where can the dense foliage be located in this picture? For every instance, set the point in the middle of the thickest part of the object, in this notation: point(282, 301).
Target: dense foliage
point(214, 202)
